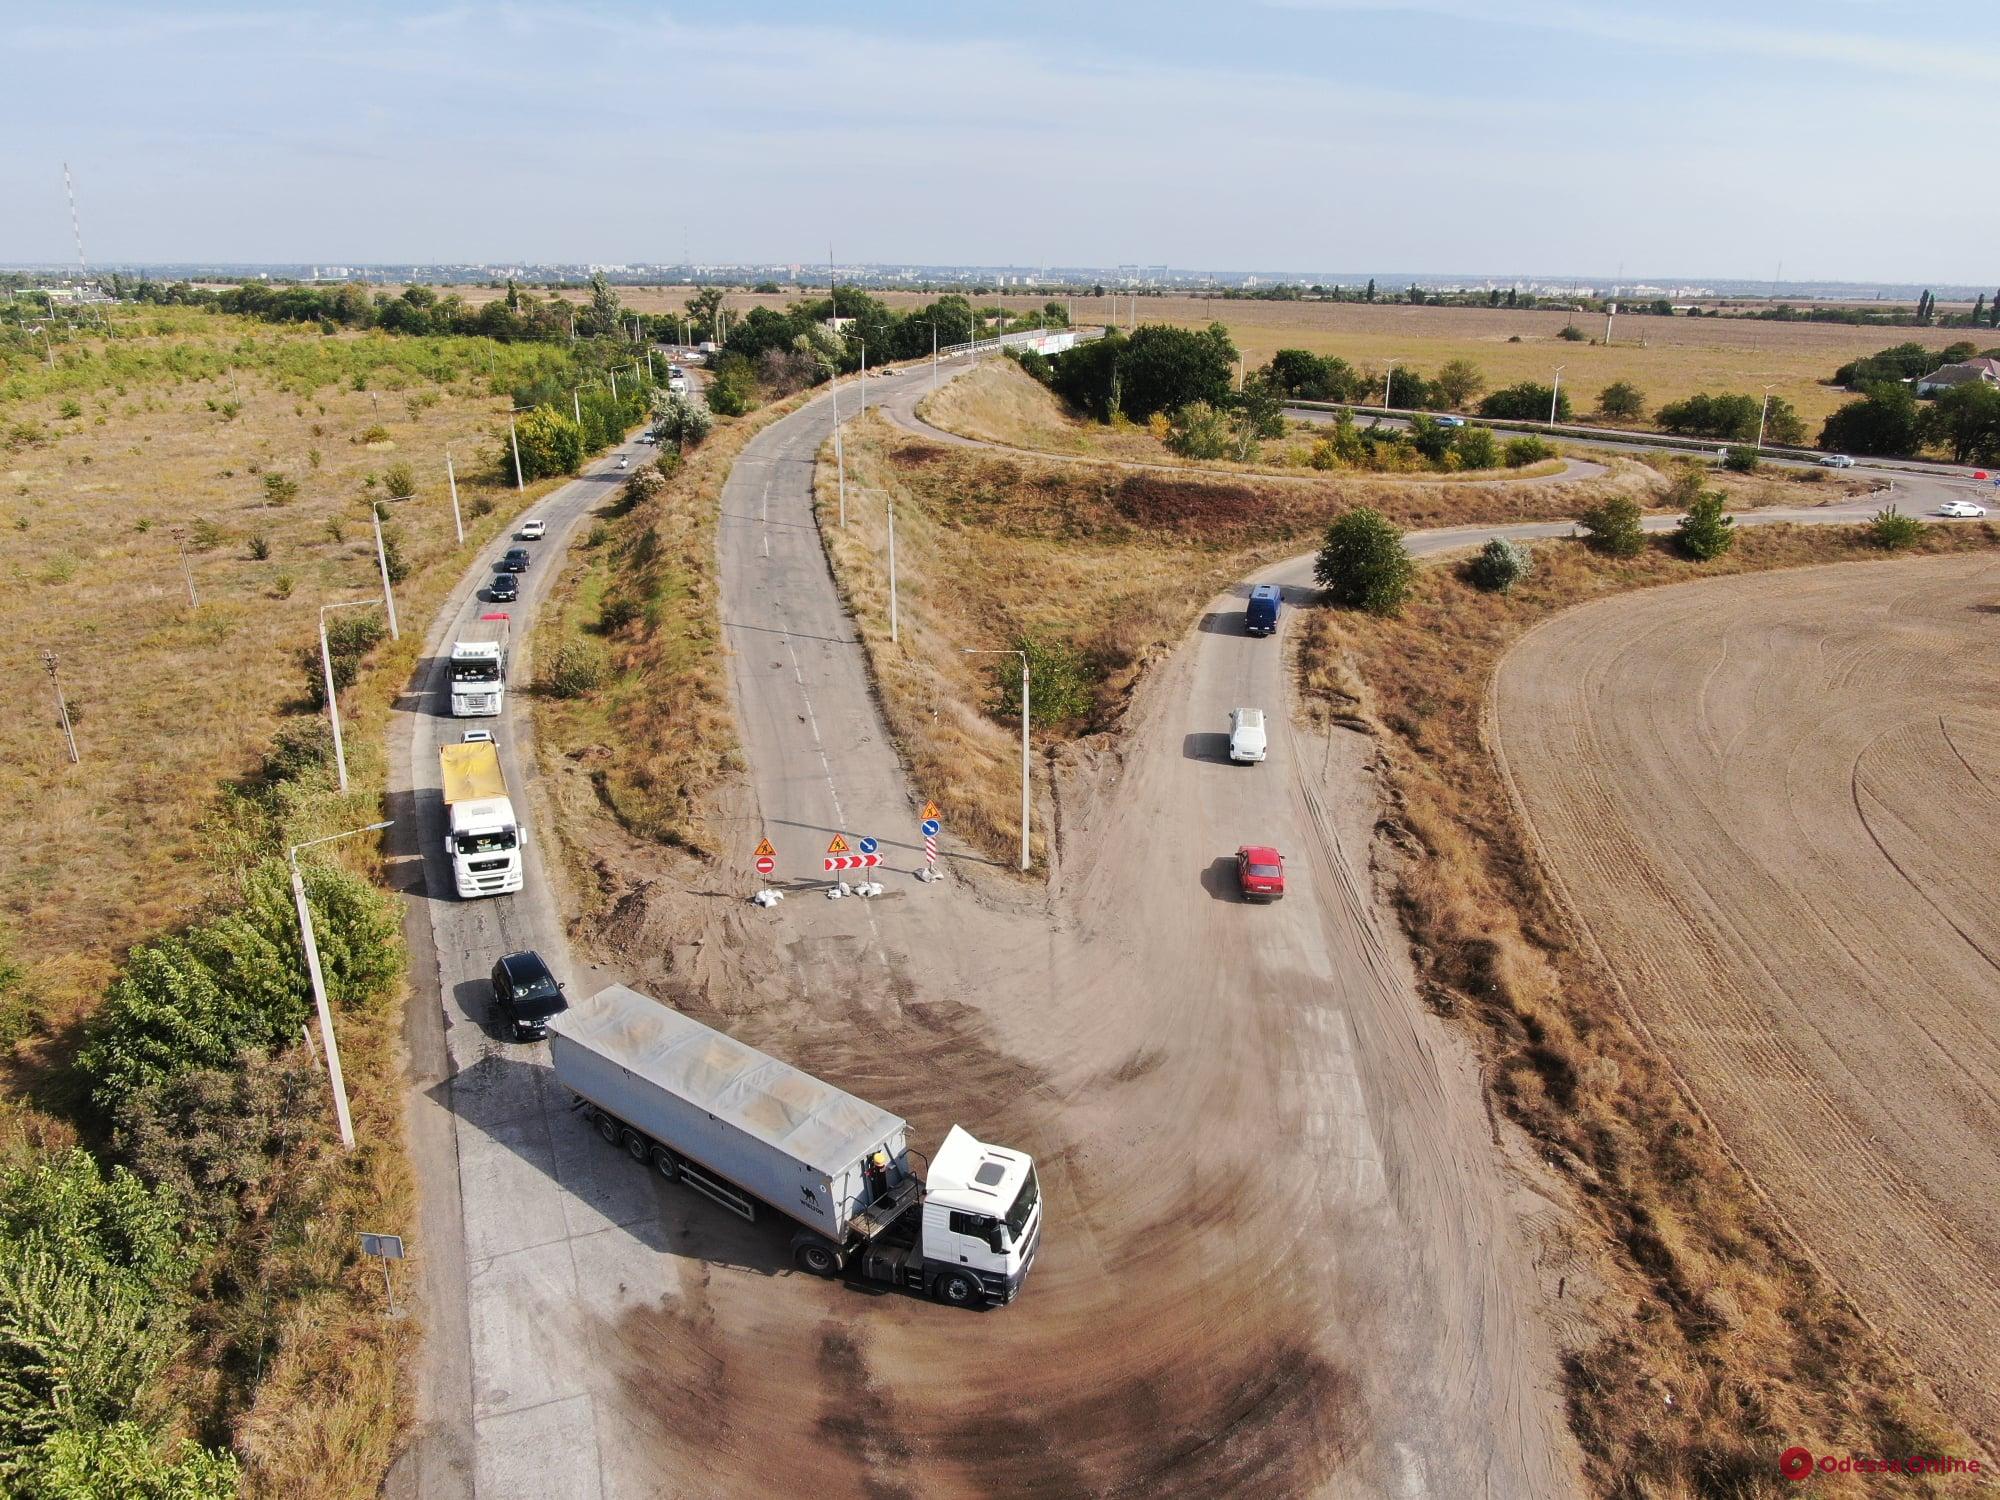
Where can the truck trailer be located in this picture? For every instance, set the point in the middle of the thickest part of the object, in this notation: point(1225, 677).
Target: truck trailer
point(479, 670)
point(748, 1131)
point(483, 840)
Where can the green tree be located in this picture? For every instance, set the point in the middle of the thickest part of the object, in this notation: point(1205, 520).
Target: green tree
point(1705, 532)
point(121, 1462)
point(1199, 431)
point(1363, 564)
point(1477, 449)
point(1369, 295)
point(1741, 459)
point(1525, 401)
point(1622, 401)
point(1612, 527)
point(1062, 685)
point(1965, 421)
point(349, 638)
point(680, 420)
point(1892, 531)
point(1430, 439)
point(1884, 421)
point(1523, 451)
point(550, 443)
point(1458, 382)
point(1260, 409)
point(1163, 368)
point(604, 313)
point(1499, 565)
point(703, 309)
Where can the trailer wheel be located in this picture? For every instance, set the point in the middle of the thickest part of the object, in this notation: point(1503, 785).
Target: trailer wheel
point(664, 1163)
point(608, 1128)
point(958, 1289)
point(637, 1146)
point(815, 1256)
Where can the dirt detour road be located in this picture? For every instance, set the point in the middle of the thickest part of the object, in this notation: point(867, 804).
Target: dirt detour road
point(1771, 801)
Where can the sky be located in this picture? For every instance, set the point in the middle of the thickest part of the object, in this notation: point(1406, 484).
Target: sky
point(1839, 139)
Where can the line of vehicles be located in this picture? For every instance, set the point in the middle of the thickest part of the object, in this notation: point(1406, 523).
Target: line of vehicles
point(699, 1107)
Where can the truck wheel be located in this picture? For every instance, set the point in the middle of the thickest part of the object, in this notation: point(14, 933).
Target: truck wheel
point(664, 1163)
point(818, 1258)
point(958, 1289)
point(608, 1128)
point(637, 1146)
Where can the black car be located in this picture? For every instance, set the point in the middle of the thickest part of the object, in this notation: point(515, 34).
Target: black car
point(504, 589)
point(525, 995)
point(516, 560)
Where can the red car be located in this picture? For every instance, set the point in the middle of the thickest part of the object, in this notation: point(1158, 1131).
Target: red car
point(1260, 872)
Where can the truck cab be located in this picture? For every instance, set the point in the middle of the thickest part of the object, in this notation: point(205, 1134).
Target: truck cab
point(479, 671)
point(484, 843)
point(982, 1220)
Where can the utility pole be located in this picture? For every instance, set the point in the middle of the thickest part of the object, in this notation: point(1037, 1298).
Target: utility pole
point(614, 385)
point(311, 946)
point(839, 458)
point(1762, 416)
point(934, 359)
point(514, 440)
point(62, 703)
point(451, 478)
point(1387, 381)
point(382, 561)
point(332, 699)
point(649, 362)
point(997, 651)
point(187, 572)
point(1555, 391)
point(893, 637)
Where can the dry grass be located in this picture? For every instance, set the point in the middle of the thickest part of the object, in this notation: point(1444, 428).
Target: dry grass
point(172, 703)
point(1708, 1302)
point(1115, 562)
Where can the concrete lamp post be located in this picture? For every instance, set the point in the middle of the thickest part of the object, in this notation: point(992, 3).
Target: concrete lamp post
point(1764, 416)
point(311, 946)
point(1002, 651)
point(1555, 391)
point(332, 700)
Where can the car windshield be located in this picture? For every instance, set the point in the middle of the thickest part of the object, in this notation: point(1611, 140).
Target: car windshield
point(503, 582)
point(542, 998)
point(486, 843)
point(1024, 1207)
point(475, 671)
point(1268, 871)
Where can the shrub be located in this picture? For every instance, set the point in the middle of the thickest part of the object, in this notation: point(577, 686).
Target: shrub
point(1523, 451)
point(617, 611)
point(281, 489)
point(680, 420)
point(576, 668)
point(1035, 363)
point(349, 637)
point(260, 546)
point(1498, 566)
point(282, 585)
point(314, 458)
point(549, 442)
point(1199, 431)
point(482, 505)
point(1741, 459)
point(70, 409)
point(1705, 532)
point(1612, 527)
point(375, 433)
point(1477, 448)
point(205, 535)
point(1623, 400)
point(1685, 485)
point(1458, 382)
point(1571, 334)
point(1525, 402)
point(1892, 531)
point(1061, 688)
point(1363, 564)
point(400, 481)
point(120, 1462)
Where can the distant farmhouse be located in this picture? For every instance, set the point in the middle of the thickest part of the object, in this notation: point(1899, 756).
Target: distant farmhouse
point(1946, 376)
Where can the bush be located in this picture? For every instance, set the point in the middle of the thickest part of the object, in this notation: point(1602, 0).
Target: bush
point(1458, 382)
point(550, 443)
point(397, 566)
point(281, 489)
point(1705, 532)
point(119, 1462)
point(1062, 687)
point(376, 433)
point(1892, 531)
point(1498, 566)
point(1523, 451)
point(1569, 333)
point(1741, 459)
point(349, 637)
point(617, 611)
point(1525, 402)
point(1363, 564)
point(400, 480)
point(1198, 430)
point(1612, 527)
point(283, 584)
point(205, 535)
point(1622, 400)
point(680, 420)
point(1477, 448)
point(576, 668)
point(1035, 363)
point(260, 546)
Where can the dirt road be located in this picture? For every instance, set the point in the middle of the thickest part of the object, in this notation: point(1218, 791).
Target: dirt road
point(1771, 801)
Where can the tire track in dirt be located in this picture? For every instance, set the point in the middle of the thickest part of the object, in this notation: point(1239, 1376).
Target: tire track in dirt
point(1802, 910)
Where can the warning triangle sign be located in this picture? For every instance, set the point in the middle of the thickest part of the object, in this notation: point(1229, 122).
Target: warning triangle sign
point(838, 846)
point(930, 810)
point(764, 849)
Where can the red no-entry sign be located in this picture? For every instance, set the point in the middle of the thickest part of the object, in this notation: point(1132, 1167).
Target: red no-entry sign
point(766, 864)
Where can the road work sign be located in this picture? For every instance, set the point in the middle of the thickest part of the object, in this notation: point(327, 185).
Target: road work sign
point(838, 846)
point(764, 849)
point(852, 862)
point(931, 813)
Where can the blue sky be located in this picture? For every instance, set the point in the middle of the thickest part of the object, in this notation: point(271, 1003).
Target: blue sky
point(1843, 138)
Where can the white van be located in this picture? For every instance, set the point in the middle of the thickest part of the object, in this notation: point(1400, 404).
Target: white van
point(1246, 734)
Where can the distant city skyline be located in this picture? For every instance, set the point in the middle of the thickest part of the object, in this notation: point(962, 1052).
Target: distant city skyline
point(1281, 133)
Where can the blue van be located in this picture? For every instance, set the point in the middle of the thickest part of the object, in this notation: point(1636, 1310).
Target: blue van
point(1261, 618)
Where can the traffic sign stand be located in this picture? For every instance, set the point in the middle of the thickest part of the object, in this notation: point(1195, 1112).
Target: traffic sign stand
point(930, 828)
point(766, 858)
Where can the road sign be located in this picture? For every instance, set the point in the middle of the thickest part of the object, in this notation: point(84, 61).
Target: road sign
point(931, 826)
point(869, 846)
point(852, 862)
point(764, 849)
point(931, 813)
point(766, 864)
point(388, 1246)
point(838, 846)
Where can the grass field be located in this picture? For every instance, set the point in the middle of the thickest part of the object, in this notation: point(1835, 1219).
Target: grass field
point(182, 421)
point(1705, 1298)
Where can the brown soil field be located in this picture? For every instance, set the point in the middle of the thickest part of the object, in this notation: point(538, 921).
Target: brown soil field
point(1767, 801)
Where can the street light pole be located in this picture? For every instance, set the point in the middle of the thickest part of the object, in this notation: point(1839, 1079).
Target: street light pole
point(311, 946)
point(1555, 391)
point(1000, 651)
point(1762, 416)
point(62, 703)
point(332, 699)
point(451, 477)
point(514, 440)
point(187, 572)
point(894, 639)
point(382, 561)
point(839, 457)
point(1388, 382)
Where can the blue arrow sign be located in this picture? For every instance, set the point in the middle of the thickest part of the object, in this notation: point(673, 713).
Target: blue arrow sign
point(868, 846)
point(931, 826)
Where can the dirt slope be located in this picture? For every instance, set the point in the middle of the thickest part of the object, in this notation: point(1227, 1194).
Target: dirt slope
point(1770, 799)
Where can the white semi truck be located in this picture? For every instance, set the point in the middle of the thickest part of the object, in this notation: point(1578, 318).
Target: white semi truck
point(479, 670)
point(483, 840)
point(748, 1131)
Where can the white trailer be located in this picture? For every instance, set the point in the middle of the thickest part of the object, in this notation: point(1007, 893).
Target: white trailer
point(479, 670)
point(748, 1131)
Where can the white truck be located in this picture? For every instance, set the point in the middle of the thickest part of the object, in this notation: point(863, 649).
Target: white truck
point(748, 1131)
point(483, 840)
point(479, 670)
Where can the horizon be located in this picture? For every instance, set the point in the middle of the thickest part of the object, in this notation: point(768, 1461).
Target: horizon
point(1156, 137)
